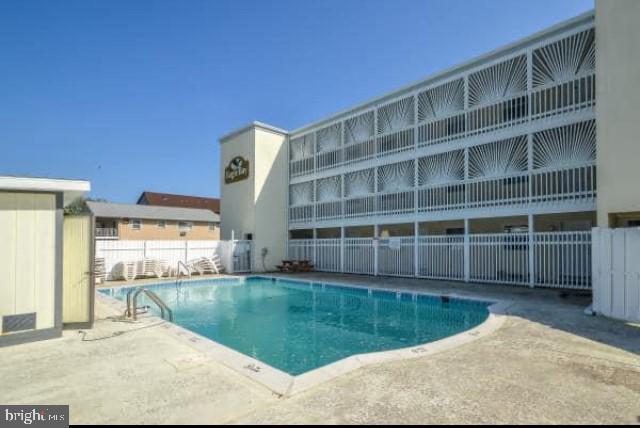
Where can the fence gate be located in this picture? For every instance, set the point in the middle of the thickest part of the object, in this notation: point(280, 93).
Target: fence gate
point(616, 273)
point(78, 280)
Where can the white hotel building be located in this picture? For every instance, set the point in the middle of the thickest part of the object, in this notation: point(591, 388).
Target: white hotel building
point(492, 171)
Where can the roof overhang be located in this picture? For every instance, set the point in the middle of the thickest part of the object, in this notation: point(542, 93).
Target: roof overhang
point(250, 126)
point(71, 189)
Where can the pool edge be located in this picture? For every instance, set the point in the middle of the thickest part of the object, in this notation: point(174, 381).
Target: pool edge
point(287, 385)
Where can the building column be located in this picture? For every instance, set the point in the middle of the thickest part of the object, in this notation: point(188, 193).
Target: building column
point(315, 237)
point(467, 252)
point(376, 239)
point(342, 249)
point(416, 249)
point(532, 252)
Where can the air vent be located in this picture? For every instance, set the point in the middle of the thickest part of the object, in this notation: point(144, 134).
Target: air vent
point(20, 322)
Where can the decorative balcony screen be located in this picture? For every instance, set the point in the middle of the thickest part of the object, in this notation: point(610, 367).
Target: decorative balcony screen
point(441, 101)
point(329, 189)
point(359, 183)
point(500, 81)
point(301, 194)
point(442, 168)
point(396, 177)
point(329, 138)
point(302, 147)
point(565, 59)
point(396, 116)
point(498, 159)
point(359, 128)
point(571, 145)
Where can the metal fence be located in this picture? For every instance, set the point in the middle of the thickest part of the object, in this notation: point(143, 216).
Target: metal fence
point(541, 259)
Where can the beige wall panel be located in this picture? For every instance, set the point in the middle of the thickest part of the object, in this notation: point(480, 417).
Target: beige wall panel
point(27, 255)
point(7, 253)
point(76, 268)
point(45, 267)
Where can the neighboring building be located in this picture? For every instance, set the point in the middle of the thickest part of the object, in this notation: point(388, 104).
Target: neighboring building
point(142, 222)
point(483, 172)
point(179, 201)
point(32, 236)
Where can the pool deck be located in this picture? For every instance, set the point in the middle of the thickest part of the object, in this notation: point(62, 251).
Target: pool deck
point(548, 363)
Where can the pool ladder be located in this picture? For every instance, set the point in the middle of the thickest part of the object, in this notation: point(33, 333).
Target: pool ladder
point(132, 304)
point(180, 274)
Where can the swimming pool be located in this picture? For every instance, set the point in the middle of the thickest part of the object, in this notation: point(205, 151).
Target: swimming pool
point(297, 326)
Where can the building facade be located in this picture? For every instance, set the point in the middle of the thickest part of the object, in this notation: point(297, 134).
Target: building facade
point(486, 172)
point(153, 223)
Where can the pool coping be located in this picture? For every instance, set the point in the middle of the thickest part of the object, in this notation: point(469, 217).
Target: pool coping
point(285, 384)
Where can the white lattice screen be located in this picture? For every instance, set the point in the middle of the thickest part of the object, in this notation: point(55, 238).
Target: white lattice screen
point(442, 168)
point(565, 59)
point(498, 159)
point(441, 101)
point(396, 116)
point(566, 146)
point(498, 82)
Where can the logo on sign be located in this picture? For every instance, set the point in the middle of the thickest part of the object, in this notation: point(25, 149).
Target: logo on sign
point(237, 170)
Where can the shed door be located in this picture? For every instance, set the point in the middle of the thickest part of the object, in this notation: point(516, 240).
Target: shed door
point(78, 287)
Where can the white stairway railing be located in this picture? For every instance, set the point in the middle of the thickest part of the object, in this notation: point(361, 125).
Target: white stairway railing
point(560, 259)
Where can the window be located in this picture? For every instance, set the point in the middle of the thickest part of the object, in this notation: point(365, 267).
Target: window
point(162, 224)
point(212, 226)
point(185, 226)
point(136, 224)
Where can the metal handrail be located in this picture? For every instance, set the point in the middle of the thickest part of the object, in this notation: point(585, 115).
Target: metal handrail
point(186, 268)
point(132, 304)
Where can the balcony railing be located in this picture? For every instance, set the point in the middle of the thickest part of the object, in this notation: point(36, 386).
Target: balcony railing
point(106, 233)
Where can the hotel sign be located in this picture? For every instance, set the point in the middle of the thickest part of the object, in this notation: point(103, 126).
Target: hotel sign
point(237, 170)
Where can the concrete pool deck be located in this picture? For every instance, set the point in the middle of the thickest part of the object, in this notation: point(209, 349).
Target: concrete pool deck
point(548, 363)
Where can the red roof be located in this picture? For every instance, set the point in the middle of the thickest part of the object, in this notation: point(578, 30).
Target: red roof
point(183, 201)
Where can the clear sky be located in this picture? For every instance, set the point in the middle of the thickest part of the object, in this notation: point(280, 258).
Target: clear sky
point(134, 94)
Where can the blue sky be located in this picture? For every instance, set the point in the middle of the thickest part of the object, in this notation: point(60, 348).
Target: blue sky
point(133, 94)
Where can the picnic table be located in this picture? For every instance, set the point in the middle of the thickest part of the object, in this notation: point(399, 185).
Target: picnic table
point(295, 266)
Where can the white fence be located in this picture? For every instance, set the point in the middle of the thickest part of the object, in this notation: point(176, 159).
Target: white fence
point(234, 255)
point(544, 259)
point(616, 273)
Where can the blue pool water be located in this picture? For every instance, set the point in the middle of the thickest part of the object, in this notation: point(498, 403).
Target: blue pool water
point(297, 326)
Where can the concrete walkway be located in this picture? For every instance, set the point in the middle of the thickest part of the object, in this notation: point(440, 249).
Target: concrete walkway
point(548, 364)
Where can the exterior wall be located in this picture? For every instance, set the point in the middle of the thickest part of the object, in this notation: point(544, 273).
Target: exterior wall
point(257, 206)
point(150, 232)
point(618, 110)
point(237, 207)
point(28, 256)
point(270, 198)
